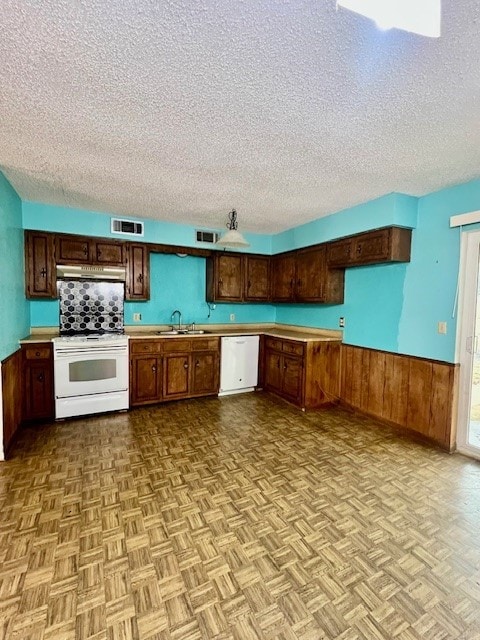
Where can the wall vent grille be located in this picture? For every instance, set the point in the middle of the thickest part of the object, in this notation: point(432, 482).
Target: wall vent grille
point(209, 237)
point(126, 227)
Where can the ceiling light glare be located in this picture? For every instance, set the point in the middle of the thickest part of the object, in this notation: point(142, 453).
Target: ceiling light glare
point(422, 17)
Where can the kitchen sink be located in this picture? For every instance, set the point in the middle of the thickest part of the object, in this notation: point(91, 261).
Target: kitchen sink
point(183, 332)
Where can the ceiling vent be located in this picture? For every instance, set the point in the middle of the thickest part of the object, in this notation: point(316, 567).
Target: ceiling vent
point(210, 237)
point(127, 227)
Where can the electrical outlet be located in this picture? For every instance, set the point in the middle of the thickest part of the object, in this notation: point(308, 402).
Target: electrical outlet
point(232, 317)
point(341, 322)
point(442, 327)
point(137, 317)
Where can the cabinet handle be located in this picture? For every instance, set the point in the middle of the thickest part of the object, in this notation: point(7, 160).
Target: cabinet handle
point(220, 281)
point(285, 365)
point(99, 253)
point(359, 249)
point(85, 250)
point(197, 363)
point(43, 273)
point(154, 368)
point(40, 377)
point(185, 366)
point(140, 277)
point(37, 354)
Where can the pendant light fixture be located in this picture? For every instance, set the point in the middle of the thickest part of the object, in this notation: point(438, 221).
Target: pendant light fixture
point(422, 17)
point(233, 237)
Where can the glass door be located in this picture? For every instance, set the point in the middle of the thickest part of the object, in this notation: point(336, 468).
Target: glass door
point(468, 347)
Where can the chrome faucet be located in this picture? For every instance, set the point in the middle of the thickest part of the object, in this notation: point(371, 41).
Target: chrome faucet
point(179, 317)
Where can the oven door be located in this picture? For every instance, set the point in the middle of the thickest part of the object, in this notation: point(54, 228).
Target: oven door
point(87, 371)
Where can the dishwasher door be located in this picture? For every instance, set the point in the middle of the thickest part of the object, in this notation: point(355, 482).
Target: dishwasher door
point(239, 364)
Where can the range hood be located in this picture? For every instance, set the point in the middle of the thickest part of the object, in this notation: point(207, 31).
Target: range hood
point(90, 272)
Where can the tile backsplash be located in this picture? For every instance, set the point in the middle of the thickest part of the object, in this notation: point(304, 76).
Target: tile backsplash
point(90, 306)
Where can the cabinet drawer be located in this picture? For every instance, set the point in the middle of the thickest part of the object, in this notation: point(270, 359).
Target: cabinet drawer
point(273, 343)
point(37, 353)
point(293, 347)
point(171, 345)
point(145, 346)
point(205, 344)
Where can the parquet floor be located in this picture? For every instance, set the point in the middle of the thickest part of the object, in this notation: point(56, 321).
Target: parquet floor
point(236, 519)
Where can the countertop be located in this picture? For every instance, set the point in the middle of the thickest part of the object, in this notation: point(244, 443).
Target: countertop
point(291, 332)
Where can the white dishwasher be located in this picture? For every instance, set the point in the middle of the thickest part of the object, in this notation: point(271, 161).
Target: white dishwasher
point(239, 364)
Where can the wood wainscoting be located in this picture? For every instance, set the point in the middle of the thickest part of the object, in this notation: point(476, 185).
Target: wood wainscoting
point(11, 396)
point(413, 393)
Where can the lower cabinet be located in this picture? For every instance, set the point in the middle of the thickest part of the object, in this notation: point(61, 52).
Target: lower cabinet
point(305, 373)
point(172, 368)
point(38, 393)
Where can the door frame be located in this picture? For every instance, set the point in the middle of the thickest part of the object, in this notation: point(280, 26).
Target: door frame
point(468, 281)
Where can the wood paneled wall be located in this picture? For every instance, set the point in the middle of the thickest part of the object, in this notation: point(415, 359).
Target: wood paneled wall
point(413, 393)
point(11, 396)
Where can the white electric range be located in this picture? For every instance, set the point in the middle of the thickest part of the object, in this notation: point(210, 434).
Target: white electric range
point(91, 374)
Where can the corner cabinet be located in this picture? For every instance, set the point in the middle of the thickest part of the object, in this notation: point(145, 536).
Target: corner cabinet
point(304, 373)
point(236, 277)
point(173, 368)
point(38, 390)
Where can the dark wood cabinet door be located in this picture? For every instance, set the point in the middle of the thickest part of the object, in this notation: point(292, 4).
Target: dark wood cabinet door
point(73, 250)
point(310, 277)
point(257, 278)
point(145, 379)
point(229, 277)
point(38, 385)
point(283, 278)
point(371, 247)
point(176, 375)
point(273, 370)
point(339, 253)
point(110, 252)
point(205, 373)
point(138, 279)
point(292, 378)
point(40, 281)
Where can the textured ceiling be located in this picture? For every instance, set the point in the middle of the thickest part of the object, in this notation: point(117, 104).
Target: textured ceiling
point(180, 110)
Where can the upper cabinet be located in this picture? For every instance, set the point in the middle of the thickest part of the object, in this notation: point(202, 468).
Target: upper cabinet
point(303, 276)
point(81, 250)
point(43, 251)
point(391, 244)
point(40, 281)
point(138, 279)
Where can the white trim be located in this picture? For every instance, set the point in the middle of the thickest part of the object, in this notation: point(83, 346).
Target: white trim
point(2, 452)
point(465, 218)
point(468, 270)
point(471, 452)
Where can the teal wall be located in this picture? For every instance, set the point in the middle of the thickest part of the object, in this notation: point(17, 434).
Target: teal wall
point(176, 283)
point(431, 278)
point(392, 209)
point(48, 217)
point(14, 311)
